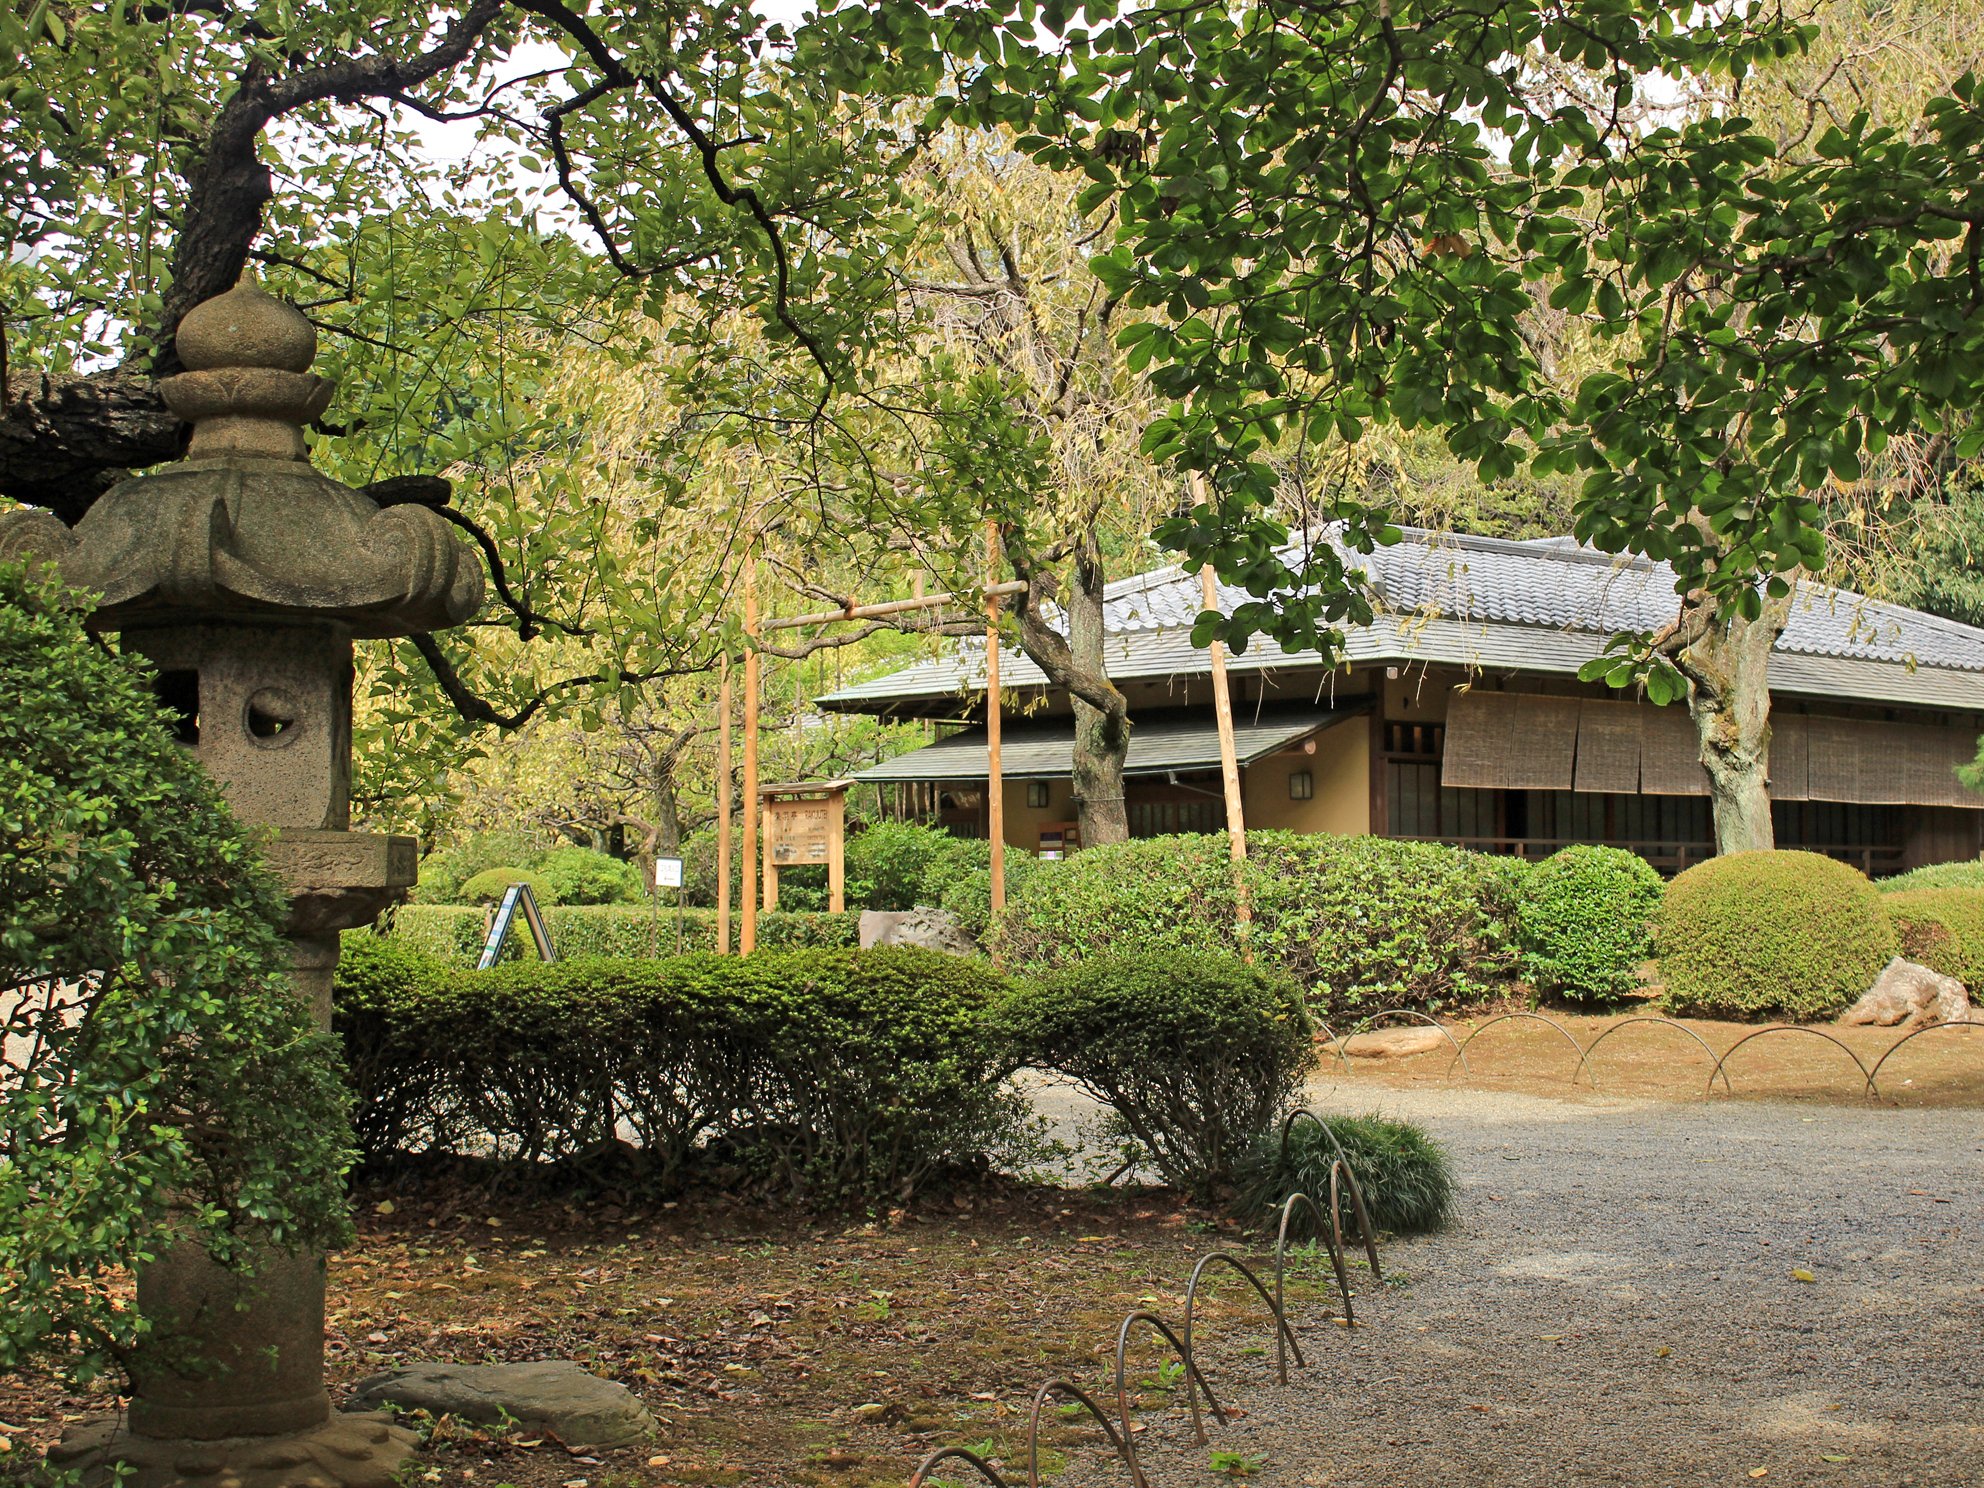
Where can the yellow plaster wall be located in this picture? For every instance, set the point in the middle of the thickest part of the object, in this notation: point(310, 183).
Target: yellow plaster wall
point(1342, 767)
point(1023, 822)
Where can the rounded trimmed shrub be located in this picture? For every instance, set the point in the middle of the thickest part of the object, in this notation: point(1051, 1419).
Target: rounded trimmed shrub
point(1965, 875)
point(1405, 1176)
point(1771, 934)
point(488, 886)
point(1943, 929)
point(445, 870)
point(1196, 1053)
point(580, 875)
point(1584, 918)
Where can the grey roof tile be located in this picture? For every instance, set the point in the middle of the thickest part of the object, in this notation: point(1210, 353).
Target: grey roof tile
point(1544, 606)
point(1044, 748)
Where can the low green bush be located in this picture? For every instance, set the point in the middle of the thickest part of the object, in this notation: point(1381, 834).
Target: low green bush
point(161, 1083)
point(491, 884)
point(821, 1074)
point(1965, 875)
point(967, 899)
point(454, 933)
point(887, 861)
point(1405, 1176)
point(1771, 935)
point(579, 875)
point(1362, 922)
point(1942, 929)
point(1196, 1053)
point(444, 871)
point(1584, 918)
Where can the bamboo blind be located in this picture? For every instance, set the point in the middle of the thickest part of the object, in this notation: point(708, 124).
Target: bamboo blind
point(1790, 740)
point(1527, 741)
point(1608, 747)
point(1544, 748)
point(1839, 765)
point(1480, 734)
point(1670, 755)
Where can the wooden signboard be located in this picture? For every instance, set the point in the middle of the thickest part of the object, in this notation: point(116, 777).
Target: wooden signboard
point(804, 826)
point(801, 831)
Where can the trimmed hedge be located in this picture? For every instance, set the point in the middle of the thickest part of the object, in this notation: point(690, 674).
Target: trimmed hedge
point(454, 933)
point(1360, 922)
point(1771, 934)
point(1943, 929)
point(492, 884)
point(822, 1073)
point(1966, 875)
point(1584, 917)
point(1197, 1054)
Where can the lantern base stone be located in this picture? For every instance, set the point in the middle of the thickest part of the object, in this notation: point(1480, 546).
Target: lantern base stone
point(350, 1450)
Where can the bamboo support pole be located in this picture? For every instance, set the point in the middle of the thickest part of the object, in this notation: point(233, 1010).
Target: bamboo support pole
point(747, 930)
point(995, 784)
point(1229, 761)
point(723, 813)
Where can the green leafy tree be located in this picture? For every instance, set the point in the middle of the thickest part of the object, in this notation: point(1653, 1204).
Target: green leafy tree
point(160, 1083)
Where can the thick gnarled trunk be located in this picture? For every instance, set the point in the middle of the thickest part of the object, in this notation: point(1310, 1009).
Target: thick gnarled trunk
point(1077, 663)
point(1726, 660)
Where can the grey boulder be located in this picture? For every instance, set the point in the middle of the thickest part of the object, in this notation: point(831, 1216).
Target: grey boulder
point(1911, 994)
point(555, 1396)
point(931, 929)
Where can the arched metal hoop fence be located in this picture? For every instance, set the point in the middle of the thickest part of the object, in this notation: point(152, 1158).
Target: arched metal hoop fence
point(1120, 1433)
point(1719, 1062)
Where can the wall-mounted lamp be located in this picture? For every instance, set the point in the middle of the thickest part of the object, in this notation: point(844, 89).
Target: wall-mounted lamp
point(1301, 785)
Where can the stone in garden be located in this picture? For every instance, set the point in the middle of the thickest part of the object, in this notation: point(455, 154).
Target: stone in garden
point(1394, 1043)
point(931, 929)
point(554, 1396)
point(1907, 993)
point(243, 575)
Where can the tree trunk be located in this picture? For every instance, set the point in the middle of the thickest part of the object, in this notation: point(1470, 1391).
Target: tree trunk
point(1727, 663)
point(667, 815)
point(1077, 663)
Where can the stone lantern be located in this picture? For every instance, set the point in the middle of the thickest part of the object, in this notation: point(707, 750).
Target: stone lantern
point(244, 575)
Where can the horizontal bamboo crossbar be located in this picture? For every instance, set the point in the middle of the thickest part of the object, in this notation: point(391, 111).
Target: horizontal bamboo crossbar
point(891, 607)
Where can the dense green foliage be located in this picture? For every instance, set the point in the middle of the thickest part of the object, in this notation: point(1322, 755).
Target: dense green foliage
point(1196, 1053)
point(1585, 920)
point(159, 1082)
point(455, 933)
point(1942, 928)
point(1361, 922)
point(442, 873)
point(821, 1074)
point(583, 875)
point(967, 899)
point(1771, 934)
point(1965, 875)
point(480, 869)
point(1405, 1176)
point(491, 884)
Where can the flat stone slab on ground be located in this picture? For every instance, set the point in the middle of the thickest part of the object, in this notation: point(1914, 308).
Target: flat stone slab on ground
point(554, 1395)
point(1394, 1043)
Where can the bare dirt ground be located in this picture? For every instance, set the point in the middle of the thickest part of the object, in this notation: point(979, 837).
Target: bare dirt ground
point(1620, 1300)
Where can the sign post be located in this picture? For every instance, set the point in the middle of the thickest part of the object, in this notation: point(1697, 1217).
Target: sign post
point(668, 875)
point(805, 825)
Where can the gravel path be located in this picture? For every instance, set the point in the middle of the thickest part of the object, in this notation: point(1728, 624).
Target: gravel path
point(1617, 1305)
